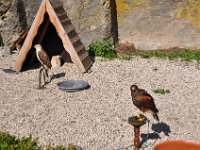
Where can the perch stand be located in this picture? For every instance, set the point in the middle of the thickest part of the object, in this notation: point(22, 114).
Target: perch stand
point(136, 123)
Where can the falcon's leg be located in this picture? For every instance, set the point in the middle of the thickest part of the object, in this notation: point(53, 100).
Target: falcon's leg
point(148, 121)
point(40, 75)
point(141, 112)
point(44, 75)
point(46, 72)
point(49, 77)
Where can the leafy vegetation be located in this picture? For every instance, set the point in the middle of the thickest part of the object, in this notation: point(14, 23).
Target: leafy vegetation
point(185, 54)
point(127, 51)
point(103, 48)
point(161, 91)
point(10, 142)
point(125, 57)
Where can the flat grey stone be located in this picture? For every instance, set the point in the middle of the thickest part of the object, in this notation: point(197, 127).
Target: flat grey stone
point(9, 71)
point(73, 85)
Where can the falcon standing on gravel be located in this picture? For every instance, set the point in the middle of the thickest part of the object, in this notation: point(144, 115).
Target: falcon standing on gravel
point(144, 101)
point(42, 57)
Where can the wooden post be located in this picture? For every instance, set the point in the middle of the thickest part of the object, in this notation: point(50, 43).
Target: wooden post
point(136, 124)
point(136, 137)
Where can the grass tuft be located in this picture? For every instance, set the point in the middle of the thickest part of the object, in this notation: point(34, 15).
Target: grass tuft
point(184, 54)
point(161, 91)
point(127, 51)
point(125, 57)
point(155, 69)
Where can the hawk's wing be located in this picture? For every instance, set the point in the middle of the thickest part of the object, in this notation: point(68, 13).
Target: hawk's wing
point(146, 101)
point(44, 58)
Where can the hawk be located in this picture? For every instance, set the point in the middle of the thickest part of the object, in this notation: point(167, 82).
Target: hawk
point(42, 57)
point(144, 101)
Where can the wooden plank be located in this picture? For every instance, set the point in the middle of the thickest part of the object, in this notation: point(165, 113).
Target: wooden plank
point(21, 37)
point(62, 31)
point(30, 37)
point(79, 48)
point(83, 56)
point(40, 39)
point(61, 14)
point(75, 40)
point(44, 31)
point(56, 4)
point(68, 28)
point(87, 62)
point(65, 20)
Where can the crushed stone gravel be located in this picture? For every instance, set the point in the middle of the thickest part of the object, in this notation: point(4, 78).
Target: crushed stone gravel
point(96, 118)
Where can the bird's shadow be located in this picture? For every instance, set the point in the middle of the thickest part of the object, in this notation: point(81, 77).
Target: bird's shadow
point(54, 76)
point(157, 128)
point(161, 127)
point(58, 75)
point(149, 136)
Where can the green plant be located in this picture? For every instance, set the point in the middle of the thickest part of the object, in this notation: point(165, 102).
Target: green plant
point(70, 147)
point(155, 69)
point(6, 141)
point(28, 26)
point(184, 54)
point(125, 57)
point(161, 91)
point(10, 142)
point(103, 49)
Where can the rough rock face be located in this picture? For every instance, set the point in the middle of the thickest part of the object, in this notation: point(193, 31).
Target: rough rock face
point(13, 20)
point(153, 24)
point(148, 24)
point(93, 19)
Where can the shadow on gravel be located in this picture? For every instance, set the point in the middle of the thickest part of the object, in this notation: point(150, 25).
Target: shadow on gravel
point(161, 127)
point(125, 148)
point(150, 136)
point(157, 128)
point(54, 76)
point(58, 75)
point(9, 71)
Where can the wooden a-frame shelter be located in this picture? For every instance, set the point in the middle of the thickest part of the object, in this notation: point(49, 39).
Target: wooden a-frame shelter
point(52, 16)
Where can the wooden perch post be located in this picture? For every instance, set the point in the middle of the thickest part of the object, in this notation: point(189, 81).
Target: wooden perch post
point(136, 124)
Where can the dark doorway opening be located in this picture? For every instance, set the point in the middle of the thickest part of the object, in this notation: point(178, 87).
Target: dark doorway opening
point(48, 37)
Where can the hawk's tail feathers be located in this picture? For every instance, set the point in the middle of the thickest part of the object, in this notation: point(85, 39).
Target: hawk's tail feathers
point(155, 115)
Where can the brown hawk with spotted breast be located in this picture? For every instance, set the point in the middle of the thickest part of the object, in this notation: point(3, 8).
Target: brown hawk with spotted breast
point(144, 101)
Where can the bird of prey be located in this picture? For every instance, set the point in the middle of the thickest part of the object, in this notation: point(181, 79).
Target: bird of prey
point(42, 57)
point(144, 101)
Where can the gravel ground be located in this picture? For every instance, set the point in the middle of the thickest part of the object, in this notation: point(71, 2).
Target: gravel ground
point(96, 119)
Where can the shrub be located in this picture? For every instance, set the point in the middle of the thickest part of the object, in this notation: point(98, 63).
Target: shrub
point(102, 49)
point(10, 142)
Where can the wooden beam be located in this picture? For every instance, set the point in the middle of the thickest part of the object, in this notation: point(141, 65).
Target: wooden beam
point(44, 31)
point(30, 37)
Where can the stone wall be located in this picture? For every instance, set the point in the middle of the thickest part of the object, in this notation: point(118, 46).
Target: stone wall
point(93, 19)
point(149, 24)
point(159, 24)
